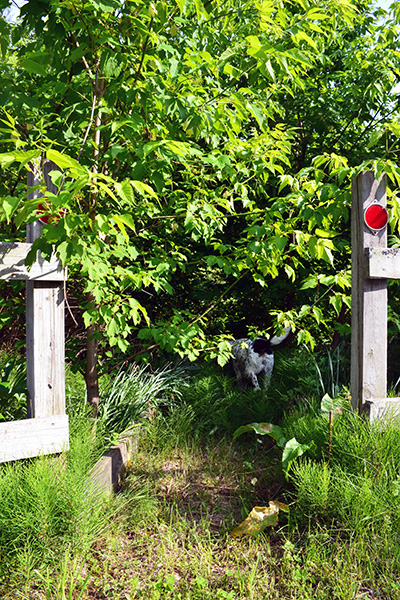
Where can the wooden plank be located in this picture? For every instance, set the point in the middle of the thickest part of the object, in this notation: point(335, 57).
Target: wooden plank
point(107, 474)
point(12, 264)
point(369, 299)
point(32, 437)
point(382, 263)
point(45, 357)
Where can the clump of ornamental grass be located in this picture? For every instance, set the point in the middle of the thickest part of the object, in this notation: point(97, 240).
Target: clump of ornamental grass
point(134, 394)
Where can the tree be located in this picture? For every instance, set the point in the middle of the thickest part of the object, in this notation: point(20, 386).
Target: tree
point(190, 140)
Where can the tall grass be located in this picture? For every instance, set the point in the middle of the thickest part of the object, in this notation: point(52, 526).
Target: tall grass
point(133, 396)
point(168, 534)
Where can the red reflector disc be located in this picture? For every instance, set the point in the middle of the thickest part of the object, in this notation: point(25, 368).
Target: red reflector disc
point(46, 218)
point(376, 216)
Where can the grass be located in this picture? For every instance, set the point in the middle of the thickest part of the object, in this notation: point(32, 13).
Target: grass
point(167, 534)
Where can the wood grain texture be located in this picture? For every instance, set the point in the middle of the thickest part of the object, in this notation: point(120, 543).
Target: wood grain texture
point(32, 437)
point(382, 262)
point(45, 349)
point(45, 337)
point(369, 299)
point(12, 264)
point(384, 409)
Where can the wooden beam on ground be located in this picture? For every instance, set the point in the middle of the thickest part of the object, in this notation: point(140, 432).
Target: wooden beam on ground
point(12, 264)
point(33, 437)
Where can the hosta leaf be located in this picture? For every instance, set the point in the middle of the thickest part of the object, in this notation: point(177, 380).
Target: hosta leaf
point(292, 450)
point(329, 404)
point(263, 429)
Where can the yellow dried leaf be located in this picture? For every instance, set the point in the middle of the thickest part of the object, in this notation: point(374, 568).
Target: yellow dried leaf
point(260, 518)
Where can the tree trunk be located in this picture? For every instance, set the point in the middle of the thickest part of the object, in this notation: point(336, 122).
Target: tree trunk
point(91, 376)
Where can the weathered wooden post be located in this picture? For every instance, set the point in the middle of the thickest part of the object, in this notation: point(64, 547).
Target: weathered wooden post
point(372, 264)
point(44, 327)
point(46, 429)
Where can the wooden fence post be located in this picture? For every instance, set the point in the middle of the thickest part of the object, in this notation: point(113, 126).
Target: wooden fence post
point(45, 338)
point(369, 298)
point(46, 431)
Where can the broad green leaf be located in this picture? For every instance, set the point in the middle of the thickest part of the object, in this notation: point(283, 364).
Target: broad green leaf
point(270, 69)
point(64, 161)
point(311, 282)
point(31, 66)
point(302, 35)
point(292, 450)
point(111, 63)
point(324, 233)
point(280, 242)
point(104, 5)
point(329, 404)
point(337, 302)
point(8, 158)
point(9, 205)
point(143, 189)
point(106, 189)
point(125, 219)
point(232, 71)
point(263, 429)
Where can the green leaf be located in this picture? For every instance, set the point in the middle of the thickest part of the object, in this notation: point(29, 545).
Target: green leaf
point(64, 161)
point(292, 450)
point(336, 301)
point(104, 5)
point(8, 158)
point(280, 242)
point(9, 204)
point(263, 429)
point(111, 63)
point(302, 35)
point(324, 233)
point(126, 219)
point(33, 67)
point(143, 189)
point(329, 405)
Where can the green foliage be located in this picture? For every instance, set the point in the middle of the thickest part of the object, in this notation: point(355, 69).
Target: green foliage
point(201, 145)
point(70, 584)
point(291, 449)
point(13, 392)
point(360, 484)
point(133, 395)
point(48, 504)
point(184, 493)
point(218, 407)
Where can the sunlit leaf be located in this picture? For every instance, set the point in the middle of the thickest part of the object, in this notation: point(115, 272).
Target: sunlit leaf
point(260, 518)
point(329, 404)
point(292, 450)
point(263, 429)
